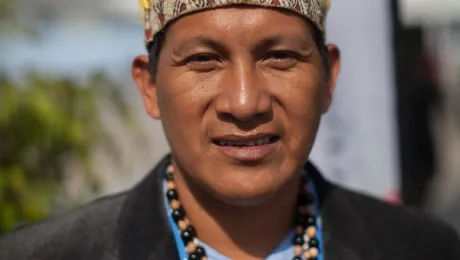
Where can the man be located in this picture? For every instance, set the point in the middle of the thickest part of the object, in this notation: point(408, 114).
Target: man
point(240, 87)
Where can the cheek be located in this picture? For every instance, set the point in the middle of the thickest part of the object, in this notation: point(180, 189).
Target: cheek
point(304, 108)
point(301, 102)
point(181, 101)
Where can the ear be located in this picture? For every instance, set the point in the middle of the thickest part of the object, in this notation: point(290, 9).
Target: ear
point(146, 86)
point(334, 70)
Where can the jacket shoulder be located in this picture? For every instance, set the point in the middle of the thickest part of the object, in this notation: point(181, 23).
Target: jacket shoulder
point(80, 234)
point(398, 228)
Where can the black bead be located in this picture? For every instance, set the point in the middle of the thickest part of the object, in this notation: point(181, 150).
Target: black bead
point(200, 251)
point(301, 221)
point(302, 200)
point(169, 176)
point(311, 221)
point(172, 195)
point(305, 199)
point(298, 240)
point(304, 178)
point(178, 214)
point(313, 242)
point(191, 230)
point(194, 256)
point(302, 189)
point(186, 237)
point(310, 198)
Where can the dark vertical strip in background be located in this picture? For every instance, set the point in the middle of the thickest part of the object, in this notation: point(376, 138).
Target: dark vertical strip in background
point(399, 67)
point(416, 92)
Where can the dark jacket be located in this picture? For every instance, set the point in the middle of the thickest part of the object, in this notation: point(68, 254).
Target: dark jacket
point(133, 226)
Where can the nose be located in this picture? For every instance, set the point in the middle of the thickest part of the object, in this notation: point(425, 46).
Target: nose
point(245, 96)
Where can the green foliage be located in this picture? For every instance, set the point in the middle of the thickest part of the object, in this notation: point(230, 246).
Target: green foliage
point(44, 122)
point(10, 23)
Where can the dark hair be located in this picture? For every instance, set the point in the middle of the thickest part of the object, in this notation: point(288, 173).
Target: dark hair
point(154, 50)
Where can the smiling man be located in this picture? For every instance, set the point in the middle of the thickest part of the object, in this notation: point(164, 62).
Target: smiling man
point(240, 88)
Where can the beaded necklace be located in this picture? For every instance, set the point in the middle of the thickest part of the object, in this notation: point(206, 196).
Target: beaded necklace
point(305, 241)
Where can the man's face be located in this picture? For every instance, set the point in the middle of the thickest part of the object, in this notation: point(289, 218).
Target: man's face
point(240, 92)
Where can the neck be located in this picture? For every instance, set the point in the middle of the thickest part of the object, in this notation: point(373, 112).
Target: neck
point(239, 232)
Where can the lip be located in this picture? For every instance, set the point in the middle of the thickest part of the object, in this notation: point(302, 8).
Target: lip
point(247, 153)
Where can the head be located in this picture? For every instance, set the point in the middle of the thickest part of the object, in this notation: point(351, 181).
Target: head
point(239, 75)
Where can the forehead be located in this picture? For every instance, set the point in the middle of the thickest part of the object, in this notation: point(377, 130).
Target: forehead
point(240, 22)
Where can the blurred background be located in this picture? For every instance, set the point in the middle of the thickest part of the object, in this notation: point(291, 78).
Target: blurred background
point(73, 127)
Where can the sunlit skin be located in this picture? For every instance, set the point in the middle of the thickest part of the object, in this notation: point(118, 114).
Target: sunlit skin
point(239, 73)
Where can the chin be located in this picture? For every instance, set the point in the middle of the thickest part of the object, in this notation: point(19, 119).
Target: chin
point(248, 188)
point(244, 199)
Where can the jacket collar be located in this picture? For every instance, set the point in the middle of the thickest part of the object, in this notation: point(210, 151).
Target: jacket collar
point(143, 231)
point(344, 235)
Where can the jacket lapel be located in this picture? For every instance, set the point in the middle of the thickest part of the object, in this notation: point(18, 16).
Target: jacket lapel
point(143, 232)
point(344, 235)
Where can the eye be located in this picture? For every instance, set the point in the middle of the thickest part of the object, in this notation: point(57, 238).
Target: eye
point(281, 55)
point(281, 59)
point(202, 58)
point(203, 62)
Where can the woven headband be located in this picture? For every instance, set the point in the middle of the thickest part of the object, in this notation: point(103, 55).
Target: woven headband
point(156, 14)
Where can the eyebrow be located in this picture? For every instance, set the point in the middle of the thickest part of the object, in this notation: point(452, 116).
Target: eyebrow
point(285, 39)
point(266, 43)
point(198, 41)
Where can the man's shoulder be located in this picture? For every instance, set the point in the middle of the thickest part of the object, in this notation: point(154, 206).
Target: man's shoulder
point(79, 233)
point(381, 211)
point(394, 226)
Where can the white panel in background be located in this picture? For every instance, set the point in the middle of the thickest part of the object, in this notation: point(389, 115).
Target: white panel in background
point(357, 142)
point(429, 12)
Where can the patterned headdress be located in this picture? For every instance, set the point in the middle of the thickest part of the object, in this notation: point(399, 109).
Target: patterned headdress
point(156, 14)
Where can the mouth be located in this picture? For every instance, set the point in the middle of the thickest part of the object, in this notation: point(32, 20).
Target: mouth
point(247, 148)
point(238, 141)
